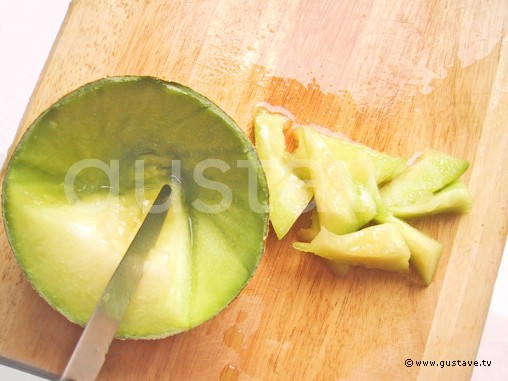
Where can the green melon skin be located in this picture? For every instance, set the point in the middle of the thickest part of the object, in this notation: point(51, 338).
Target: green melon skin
point(69, 247)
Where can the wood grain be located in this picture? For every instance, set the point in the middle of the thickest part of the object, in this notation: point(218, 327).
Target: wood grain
point(397, 75)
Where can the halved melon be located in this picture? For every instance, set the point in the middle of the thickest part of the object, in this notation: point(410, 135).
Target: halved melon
point(83, 176)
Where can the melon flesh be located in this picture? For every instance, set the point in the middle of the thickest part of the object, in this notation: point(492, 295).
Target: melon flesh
point(379, 246)
point(453, 198)
point(385, 166)
point(289, 195)
point(431, 172)
point(343, 204)
point(425, 250)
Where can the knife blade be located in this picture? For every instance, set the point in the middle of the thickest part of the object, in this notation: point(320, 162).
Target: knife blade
point(19, 370)
point(90, 352)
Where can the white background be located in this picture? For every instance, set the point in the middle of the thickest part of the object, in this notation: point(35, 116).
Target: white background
point(27, 31)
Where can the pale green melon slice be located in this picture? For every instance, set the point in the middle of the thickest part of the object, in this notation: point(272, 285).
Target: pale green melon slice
point(453, 198)
point(379, 246)
point(289, 195)
point(385, 166)
point(425, 250)
point(308, 234)
point(432, 171)
point(343, 204)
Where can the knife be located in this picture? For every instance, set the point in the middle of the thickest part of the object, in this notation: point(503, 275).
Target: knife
point(90, 353)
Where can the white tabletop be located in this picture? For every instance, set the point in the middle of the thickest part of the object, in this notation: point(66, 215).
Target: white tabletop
point(27, 31)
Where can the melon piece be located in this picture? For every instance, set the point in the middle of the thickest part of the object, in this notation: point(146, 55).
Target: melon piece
point(431, 172)
point(425, 250)
point(363, 171)
point(379, 246)
point(83, 176)
point(343, 204)
point(453, 198)
point(308, 234)
point(385, 166)
point(289, 195)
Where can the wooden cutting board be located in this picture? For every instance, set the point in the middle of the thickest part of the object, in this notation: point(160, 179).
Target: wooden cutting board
point(397, 75)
